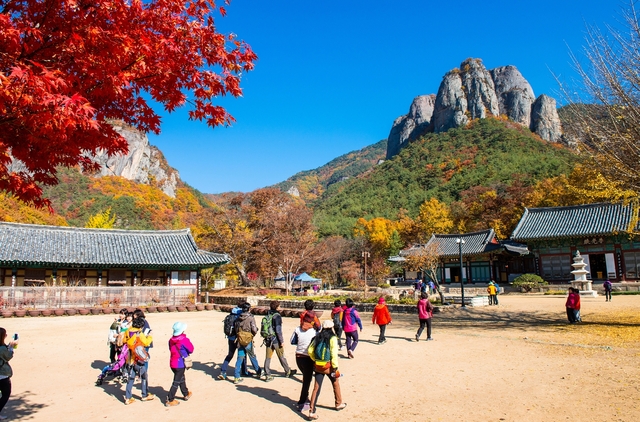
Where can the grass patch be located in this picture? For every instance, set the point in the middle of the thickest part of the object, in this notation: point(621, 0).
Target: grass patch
point(623, 293)
point(555, 292)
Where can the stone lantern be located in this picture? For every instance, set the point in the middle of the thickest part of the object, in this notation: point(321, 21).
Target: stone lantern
point(580, 281)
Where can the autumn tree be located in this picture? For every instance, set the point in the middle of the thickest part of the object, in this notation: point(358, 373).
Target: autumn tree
point(226, 229)
point(68, 67)
point(380, 233)
point(329, 254)
point(283, 232)
point(102, 220)
point(426, 259)
point(605, 118)
point(433, 217)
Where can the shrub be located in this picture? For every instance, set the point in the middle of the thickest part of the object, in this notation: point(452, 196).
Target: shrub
point(529, 281)
point(384, 286)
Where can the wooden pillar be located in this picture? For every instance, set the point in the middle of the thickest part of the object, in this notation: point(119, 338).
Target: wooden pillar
point(198, 286)
point(134, 274)
point(14, 273)
point(99, 278)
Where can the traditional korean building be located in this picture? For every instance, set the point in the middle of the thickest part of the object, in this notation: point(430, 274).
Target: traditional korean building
point(605, 234)
point(32, 255)
point(484, 258)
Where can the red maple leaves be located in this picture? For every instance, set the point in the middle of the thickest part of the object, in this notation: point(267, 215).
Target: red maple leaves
point(68, 67)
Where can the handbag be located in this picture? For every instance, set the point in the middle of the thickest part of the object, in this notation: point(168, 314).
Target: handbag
point(188, 362)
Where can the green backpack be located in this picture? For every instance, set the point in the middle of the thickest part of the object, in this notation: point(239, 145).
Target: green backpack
point(322, 351)
point(266, 327)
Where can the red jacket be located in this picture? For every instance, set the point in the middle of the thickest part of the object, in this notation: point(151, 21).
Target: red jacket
point(573, 301)
point(381, 315)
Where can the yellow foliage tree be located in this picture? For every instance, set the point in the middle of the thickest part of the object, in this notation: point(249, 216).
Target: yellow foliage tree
point(378, 231)
point(585, 185)
point(102, 220)
point(434, 217)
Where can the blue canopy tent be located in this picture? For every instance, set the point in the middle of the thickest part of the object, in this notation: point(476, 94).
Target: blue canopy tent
point(306, 278)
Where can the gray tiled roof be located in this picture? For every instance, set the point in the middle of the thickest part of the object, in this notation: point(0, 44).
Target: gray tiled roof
point(574, 221)
point(53, 246)
point(474, 244)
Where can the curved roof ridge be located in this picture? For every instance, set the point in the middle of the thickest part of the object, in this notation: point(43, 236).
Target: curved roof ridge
point(93, 230)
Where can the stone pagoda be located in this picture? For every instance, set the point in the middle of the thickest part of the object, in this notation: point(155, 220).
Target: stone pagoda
point(580, 275)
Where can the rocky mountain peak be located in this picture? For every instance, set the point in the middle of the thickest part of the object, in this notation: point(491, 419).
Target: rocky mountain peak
point(473, 92)
point(143, 163)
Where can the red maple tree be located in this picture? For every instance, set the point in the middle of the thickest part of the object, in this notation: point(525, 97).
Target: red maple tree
point(68, 67)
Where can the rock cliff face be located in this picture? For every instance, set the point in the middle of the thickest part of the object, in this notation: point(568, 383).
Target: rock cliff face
point(143, 163)
point(473, 92)
point(411, 125)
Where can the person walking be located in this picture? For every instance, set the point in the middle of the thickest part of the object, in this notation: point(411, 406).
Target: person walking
point(246, 329)
point(425, 312)
point(336, 315)
point(271, 331)
point(180, 347)
point(382, 317)
point(6, 354)
point(114, 330)
point(350, 323)
point(302, 339)
point(491, 289)
point(230, 333)
point(323, 350)
point(134, 337)
point(608, 287)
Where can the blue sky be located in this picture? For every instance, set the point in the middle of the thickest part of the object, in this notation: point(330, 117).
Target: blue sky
point(332, 76)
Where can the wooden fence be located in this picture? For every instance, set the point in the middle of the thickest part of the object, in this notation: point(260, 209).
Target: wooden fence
point(49, 297)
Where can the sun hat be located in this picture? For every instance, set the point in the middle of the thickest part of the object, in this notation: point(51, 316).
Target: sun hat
point(179, 328)
point(327, 324)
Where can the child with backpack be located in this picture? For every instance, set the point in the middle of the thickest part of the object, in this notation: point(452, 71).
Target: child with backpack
point(180, 347)
point(382, 317)
point(350, 323)
point(271, 332)
point(336, 316)
point(137, 341)
point(246, 329)
point(324, 353)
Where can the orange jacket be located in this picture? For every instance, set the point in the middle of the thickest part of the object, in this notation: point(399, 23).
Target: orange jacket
point(381, 315)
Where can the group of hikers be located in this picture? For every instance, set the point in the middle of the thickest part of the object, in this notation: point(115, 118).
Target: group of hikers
point(316, 348)
point(129, 342)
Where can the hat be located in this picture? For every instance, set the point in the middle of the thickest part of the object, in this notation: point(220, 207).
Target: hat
point(381, 300)
point(327, 324)
point(179, 328)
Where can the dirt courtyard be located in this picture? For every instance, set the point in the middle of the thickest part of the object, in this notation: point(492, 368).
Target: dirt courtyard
point(519, 361)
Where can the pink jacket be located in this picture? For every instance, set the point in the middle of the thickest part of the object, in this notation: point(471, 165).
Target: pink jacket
point(425, 309)
point(179, 347)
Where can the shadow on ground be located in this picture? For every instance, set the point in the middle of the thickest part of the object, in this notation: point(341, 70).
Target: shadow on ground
point(22, 407)
point(271, 395)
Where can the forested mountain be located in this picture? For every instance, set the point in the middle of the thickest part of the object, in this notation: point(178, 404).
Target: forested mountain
point(487, 153)
point(311, 185)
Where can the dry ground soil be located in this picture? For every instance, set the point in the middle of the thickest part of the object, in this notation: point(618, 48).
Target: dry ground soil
point(519, 361)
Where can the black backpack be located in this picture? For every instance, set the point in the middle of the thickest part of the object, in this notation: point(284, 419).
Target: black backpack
point(230, 325)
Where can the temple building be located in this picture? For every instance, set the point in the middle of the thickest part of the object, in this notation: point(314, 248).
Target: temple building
point(484, 258)
point(33, 255)
point(605, 234)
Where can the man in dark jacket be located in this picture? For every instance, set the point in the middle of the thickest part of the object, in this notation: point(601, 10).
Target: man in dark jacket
point(246, 326)
point(274, 341)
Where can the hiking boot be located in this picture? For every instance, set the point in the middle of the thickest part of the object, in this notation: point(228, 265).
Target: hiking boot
point(148, 397)
point(263, 377)
point(429, 338)
point(171, 403)
point(417, 338)
point(222, 377)
point(237, 380)
point(291, 373)
point(382, 341)
point(350, 354)
point(188, 396)
point(129, 401)
point(312, 416)
point(268, 378)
